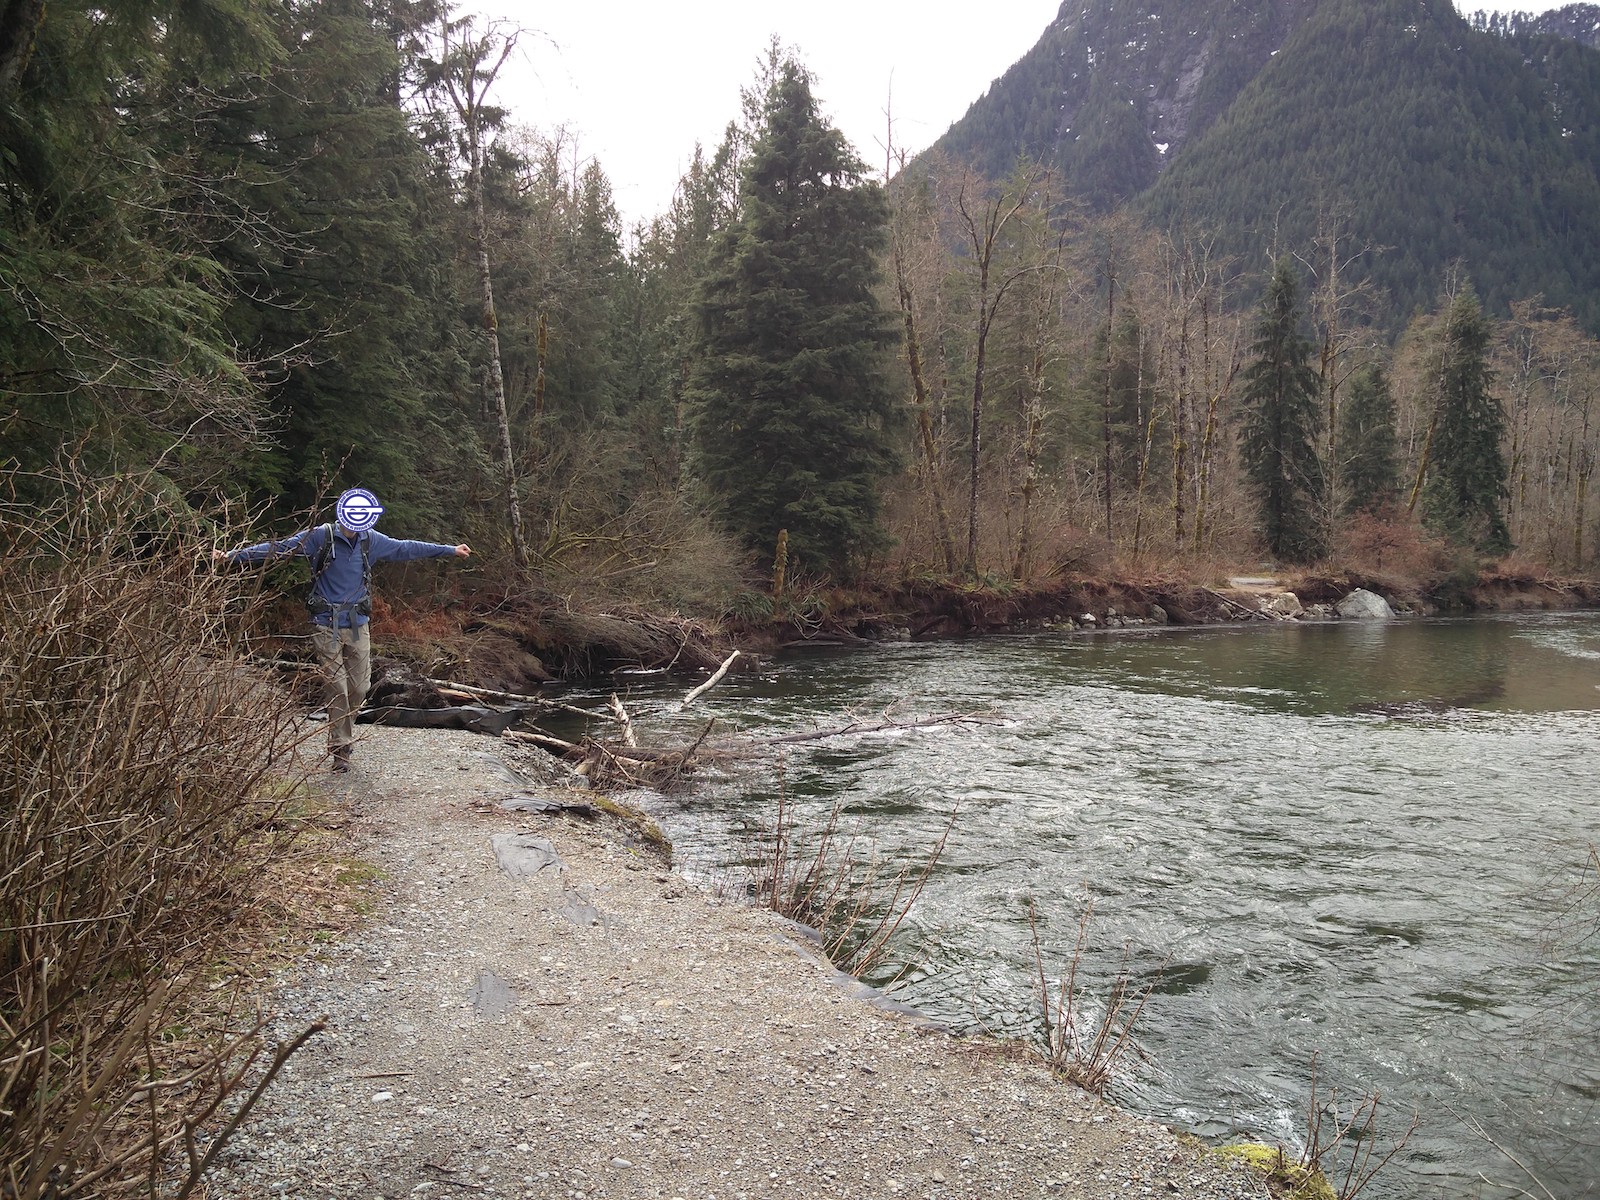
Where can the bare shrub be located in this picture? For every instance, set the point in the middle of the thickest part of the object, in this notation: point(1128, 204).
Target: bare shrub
point(1084, 1048)
point(1337, 1159)
point(140, 799)
point(1389, 544)
point(1068, 550)
point(659, 553)
point(1523, 567)
point(1341, 1139)
point(1578, 920)
point(828, 880)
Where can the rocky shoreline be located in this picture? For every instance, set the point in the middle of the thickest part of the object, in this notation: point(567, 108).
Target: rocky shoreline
point(539, 1007)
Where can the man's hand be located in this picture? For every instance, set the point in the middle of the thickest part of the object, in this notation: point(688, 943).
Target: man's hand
point(463, 551)
point(218, 555)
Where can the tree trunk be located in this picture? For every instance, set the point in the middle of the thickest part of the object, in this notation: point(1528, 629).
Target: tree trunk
point(19, 26)
point(1106, 408)
point(934, 478)
point(1032, 424)
point(1422, 460)
point(1146, 424)
point(976, 435)
point(1180, 436)
point(466, 79)
point(497, 379)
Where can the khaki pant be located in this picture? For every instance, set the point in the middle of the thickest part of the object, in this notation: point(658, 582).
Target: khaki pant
point(346, 659)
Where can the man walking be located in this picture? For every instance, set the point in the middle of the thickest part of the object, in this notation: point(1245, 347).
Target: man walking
point(342, 553)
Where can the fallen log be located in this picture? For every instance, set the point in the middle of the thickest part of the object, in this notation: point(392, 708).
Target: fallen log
point(282, 664)
point(490, 693)
point(534, 802)
point(473, 718)
point(611, 764)
point(1250, 614)
point(653, 755)
point(466, 689)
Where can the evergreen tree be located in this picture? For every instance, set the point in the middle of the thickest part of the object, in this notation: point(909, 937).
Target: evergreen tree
point(1282, 421)
point(1368, 467)
point(792, 411)
point(665, 272)
point(1467, 472)
point(345, 308)
point(111, 336)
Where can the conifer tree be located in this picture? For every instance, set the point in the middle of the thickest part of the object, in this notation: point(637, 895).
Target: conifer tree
point(791, 410)
point(341, 308)
point(1282, 422)
point(111, 295)
point(1367, 465)
point(1467, 472)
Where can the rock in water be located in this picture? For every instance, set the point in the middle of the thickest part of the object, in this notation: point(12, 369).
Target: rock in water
point(1362, 605)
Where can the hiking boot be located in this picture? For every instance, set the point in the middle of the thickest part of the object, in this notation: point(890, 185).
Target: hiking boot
point(341, 758)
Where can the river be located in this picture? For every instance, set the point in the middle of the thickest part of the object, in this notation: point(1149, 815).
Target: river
point(1360, 843)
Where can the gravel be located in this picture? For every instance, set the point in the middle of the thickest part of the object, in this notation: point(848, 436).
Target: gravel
point(540, 1009)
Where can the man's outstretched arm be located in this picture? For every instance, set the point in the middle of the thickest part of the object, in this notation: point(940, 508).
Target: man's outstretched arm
point(262, 551)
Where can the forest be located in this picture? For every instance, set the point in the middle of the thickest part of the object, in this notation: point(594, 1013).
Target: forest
point(254, 254)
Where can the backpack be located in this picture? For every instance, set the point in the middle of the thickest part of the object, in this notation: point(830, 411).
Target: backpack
point(319, 605)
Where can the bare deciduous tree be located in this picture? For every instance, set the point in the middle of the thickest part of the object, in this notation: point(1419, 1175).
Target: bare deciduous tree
point(983, 214)
point(468, 63)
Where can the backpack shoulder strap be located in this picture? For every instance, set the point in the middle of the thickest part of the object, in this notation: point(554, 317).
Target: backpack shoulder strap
point(326, 549)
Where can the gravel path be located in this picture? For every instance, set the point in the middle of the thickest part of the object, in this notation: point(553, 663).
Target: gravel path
point(600, 1028)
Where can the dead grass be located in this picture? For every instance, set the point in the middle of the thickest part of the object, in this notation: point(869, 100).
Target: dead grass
point(403, 621)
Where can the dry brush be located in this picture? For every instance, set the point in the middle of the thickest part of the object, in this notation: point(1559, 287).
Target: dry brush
point(141, 797)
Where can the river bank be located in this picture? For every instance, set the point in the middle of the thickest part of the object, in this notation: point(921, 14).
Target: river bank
point(526, 644)
point(599, 1027)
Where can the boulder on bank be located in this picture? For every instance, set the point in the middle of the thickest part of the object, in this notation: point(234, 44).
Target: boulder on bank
point(1362, 605)
point(1285, 605)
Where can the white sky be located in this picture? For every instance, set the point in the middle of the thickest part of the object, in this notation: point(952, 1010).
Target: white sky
point(636, 84)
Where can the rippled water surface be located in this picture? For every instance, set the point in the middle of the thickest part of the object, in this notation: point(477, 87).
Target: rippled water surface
point(1360, 842)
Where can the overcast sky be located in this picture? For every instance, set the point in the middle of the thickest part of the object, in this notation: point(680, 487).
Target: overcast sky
point(636, 85)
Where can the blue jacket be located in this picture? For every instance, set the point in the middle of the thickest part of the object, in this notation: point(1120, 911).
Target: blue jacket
point(341, 582)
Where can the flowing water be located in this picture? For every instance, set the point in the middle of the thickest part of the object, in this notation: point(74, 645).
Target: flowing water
point(1364, 843)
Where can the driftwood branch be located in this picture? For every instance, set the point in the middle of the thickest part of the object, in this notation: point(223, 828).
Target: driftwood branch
point(543, 740)
point(283, 664)
point(660, 766)
point(624, 722)
point(482, 693)
point(1254, 614)
point(715, 679)
point(499, 697)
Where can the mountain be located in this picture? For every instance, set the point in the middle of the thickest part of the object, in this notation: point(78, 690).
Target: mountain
point(1115, 88)
point(1575, 22)
point(1434, 139)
